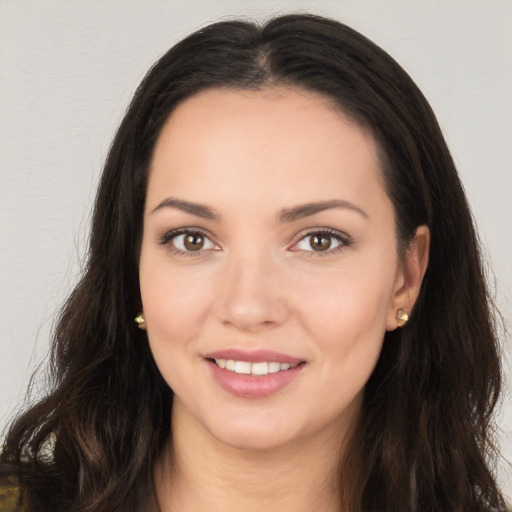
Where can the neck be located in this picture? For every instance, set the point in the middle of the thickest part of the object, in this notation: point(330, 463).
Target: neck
point(198, 472)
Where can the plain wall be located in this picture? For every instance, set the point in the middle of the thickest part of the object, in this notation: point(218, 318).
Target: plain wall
point(68, 69)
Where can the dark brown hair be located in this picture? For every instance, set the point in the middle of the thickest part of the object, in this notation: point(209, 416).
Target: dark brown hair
point(426, 423)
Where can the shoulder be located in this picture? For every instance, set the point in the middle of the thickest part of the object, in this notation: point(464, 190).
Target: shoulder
point(11, 496)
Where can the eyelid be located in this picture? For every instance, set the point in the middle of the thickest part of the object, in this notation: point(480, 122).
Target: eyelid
point(168, 236)
point(344, 239)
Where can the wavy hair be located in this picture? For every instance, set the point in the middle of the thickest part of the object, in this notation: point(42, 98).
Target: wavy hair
point(425, 436)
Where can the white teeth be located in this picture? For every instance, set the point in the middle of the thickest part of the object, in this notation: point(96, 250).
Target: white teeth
point(247, 368)
point(259, 368)
point(243, 367)
point(273, 367)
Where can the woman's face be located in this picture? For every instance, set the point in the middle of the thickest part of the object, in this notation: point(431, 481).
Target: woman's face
point(268, 271)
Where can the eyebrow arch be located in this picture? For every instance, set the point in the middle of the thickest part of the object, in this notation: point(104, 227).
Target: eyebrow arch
point(305, 210)
point(200, 210)
point(286, 215)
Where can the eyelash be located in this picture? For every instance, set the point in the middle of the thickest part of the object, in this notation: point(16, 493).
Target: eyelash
point(174, 233)
point(343, 239)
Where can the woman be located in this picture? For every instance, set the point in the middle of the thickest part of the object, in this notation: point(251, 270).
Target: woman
point(281, 216)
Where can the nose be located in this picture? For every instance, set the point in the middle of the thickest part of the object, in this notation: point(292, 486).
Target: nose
point(251, 295)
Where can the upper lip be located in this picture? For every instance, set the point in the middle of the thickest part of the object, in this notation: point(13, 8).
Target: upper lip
point(253, 356)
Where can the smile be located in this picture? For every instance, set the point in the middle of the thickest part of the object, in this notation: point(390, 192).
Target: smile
point(256, 368)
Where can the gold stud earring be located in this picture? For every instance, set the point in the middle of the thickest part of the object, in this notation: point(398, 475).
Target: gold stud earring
point(402, 317)
point(140, 321)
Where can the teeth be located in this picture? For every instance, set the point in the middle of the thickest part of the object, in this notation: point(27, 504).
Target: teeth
point(273, 367)
point(259, 368)
point(246, 368)
point(243, 367)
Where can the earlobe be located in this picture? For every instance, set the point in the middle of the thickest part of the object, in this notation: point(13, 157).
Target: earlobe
point(413, 270)
point(140, 321)
point(402, 318)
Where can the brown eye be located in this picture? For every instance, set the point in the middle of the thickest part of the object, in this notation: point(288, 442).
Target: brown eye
point(320, 242)
point(188, 242)
point(193, 242)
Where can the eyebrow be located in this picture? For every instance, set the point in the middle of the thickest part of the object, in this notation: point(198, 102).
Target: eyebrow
point(305, 210)
point(286, 215)
point(199, 210)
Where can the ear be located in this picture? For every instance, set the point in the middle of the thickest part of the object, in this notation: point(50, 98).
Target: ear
point(409, 277)
point(140, 321)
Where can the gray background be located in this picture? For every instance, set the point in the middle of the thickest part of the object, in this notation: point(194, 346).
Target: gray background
point(68, 69)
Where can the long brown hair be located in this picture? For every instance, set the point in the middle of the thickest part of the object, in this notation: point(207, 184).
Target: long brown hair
point(90, 444)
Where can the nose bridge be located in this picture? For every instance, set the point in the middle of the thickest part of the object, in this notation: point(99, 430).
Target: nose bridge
point(250, 296)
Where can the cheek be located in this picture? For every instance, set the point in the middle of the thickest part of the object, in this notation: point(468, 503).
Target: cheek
point(172, 296)
point(175, 302)
point(173, 307)
point(349, 299)
point(345, 312)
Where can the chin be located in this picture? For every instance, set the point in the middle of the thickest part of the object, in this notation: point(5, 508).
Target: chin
point(255, 442)
point(252, 435)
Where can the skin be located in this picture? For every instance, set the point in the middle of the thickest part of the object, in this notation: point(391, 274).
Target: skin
point(259, 282)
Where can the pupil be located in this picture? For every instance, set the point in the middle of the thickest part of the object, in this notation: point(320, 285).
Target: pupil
point(194, 242)
point(320, 243)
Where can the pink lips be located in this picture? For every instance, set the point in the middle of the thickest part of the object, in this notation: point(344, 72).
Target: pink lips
point(253, 386)
point(253, 356)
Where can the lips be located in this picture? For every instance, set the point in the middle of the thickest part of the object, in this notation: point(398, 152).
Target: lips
point(248, 368)
point(254, 356)
point(253, 374)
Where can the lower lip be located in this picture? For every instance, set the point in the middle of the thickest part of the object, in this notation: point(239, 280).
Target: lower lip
point(253, 386)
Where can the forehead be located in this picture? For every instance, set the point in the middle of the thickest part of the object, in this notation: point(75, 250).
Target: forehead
point(276, 140)
point(266, 112)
